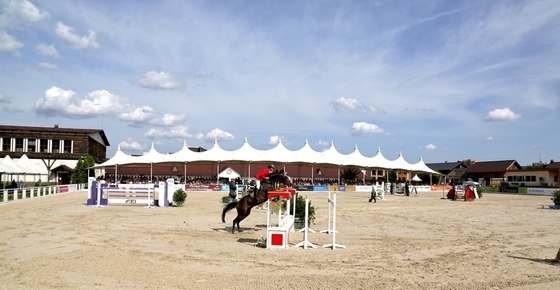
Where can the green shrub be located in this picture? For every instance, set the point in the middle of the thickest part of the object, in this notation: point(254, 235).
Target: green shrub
point(179, 196)
point(300, 210)
point(556, 198)
point(479, 190)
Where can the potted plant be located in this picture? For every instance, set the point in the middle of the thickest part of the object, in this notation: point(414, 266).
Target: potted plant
point(300, 212)
point(556, 199)
point(479, 191)
point(179, 197)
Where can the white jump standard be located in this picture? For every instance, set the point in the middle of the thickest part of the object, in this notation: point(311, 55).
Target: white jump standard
point(306, 243)
point(332, 203)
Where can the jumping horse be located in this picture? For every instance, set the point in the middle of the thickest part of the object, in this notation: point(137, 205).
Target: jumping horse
point(246, 203)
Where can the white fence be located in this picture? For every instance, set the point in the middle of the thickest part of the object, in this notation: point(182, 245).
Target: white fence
point(26, 193)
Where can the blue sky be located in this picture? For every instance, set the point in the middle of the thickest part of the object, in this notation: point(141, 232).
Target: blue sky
point(441, 80)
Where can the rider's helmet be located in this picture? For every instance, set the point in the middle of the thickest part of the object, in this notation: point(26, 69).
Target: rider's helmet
point(270, 166)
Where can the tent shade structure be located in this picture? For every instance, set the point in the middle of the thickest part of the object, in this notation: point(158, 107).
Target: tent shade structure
point(416, 178)
point(277, 154)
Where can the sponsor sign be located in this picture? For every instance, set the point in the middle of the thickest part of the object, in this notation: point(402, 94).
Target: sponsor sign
point(422, 188)
point(541, 191)
point(509, 189)
point(342, 188)
point(362, 188)
point(320, 188)
point(63, 188)
point(203, 187)
point(304, 187)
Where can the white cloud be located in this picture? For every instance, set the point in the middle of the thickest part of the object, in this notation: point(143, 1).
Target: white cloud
point(217, 134)
point(343, 104)
point(323, 143)
point(47, 66)
point(169, 120)
point(60, 102)
point(363, 128)
point(147, 115)
point(84, 43)
point(430, 147)
point(9, 43)
point(374, 109)
point(20, 12)
point(174, 132)
point(159, 80)
point(504, 114)
point(47, 50)
point(490, 138)
point(273, 140)
point(4, 99)
point(131, 144)
point(138, 115)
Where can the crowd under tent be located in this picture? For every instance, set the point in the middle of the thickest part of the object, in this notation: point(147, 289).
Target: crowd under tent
point(279, 154)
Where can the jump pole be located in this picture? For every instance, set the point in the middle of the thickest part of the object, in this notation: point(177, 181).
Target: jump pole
point(148, 206)
point(328, 230)
point(306, 243)
point(334, 245)
point(98, 185)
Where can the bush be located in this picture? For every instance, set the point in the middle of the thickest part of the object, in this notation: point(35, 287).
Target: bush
point(179, 196)
point(300, 210)
point(479, 190)
point(556, 198)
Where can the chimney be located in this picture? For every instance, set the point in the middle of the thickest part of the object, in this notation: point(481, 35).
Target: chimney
point(56, 125)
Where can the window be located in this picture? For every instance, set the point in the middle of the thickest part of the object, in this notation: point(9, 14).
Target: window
point(55, 146)
point(19, 144)
point(67, 146)
point(6, 144)
point(43, 145)
point(31, 145)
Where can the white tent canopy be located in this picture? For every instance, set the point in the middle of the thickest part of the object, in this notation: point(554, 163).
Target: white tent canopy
point(9, 166)
point(279, 154)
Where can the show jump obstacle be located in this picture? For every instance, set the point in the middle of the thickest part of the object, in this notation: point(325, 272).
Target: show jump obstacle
point(159, 194)
point(277, 236)
point(332, 204)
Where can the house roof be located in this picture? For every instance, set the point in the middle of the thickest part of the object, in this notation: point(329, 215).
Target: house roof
point(445, 166)
point(553, 165)
point(56, 129)
point(493, 166)
point(63, 167)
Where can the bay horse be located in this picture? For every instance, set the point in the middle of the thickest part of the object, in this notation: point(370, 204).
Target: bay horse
point(246, 203)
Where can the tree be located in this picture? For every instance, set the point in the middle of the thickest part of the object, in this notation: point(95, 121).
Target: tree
point(350, 174)
point(80, 174)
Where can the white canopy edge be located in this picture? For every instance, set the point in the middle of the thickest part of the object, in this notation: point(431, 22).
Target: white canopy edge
point(278, 154)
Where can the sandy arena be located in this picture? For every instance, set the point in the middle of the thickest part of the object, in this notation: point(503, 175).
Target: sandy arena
point(416, 242)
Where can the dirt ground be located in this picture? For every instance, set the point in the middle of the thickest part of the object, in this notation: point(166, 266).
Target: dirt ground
point(416, 242)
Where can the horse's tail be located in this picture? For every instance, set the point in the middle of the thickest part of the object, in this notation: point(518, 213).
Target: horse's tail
point(227, 208)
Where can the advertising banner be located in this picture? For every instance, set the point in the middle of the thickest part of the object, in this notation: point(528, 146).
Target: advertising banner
point(320, 188)
point(541, 191)
point(203, 187)
point(304, 187)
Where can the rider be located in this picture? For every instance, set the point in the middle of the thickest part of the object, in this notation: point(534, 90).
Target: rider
point(262, 175)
